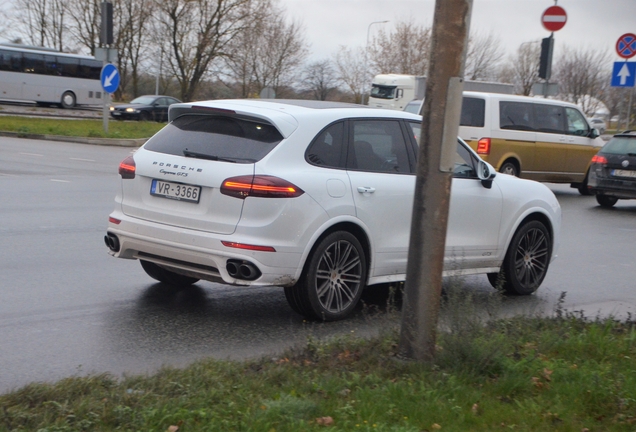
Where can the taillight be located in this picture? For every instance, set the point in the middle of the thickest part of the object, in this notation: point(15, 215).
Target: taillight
point(602, 160)
point(483, 146)
point(113, 220)
point(127, 168)
point(260, 186)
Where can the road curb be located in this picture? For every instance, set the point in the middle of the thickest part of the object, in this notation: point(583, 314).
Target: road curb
point(80, 140)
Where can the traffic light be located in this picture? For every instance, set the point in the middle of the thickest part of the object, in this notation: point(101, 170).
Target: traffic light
point(545, 65)
point(106, 34)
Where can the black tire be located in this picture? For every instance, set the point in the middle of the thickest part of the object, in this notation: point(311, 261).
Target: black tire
point(332, 280)
point(68, 100)
point(583, 189)
point(144, 116)
point(606, 201)
point(166, 276)
point(526, 262)
point(510, 168)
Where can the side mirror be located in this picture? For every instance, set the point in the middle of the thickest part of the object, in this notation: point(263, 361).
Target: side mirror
point(594, 133)
point(486, 173)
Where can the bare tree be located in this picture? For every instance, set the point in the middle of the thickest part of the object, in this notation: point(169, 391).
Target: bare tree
point(482, 57)
point(134, 37)
point(268, 52)
point(85, 21)
point(198, 33)
point(352, 71)
point(403, 51)
point(42, 22)
point(320, 79)
point(522, 69)
point(582, 76)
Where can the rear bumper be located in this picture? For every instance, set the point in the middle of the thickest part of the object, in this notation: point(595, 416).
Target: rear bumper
point(200, 254)
point(619, 188)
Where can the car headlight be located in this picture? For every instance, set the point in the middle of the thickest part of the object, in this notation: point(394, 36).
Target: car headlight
point(131, 110)
point(112, 108)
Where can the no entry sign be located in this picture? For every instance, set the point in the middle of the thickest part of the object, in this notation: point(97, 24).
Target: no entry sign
point(554, 18)
point(626, 45)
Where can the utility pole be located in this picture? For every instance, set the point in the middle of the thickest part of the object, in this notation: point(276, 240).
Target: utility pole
point(438, 143)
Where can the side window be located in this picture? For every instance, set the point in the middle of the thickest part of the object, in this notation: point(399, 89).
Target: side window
point(473, 112)
point(549, 118)
point(33, 63)
point(68, 67)
point(464, 163)
point(378, 146)
point(516, 116)
point(326, 149)
point(162, 102)
point(576, 123)
point(416, 129)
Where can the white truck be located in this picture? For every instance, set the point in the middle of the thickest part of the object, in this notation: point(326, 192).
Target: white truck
point(394, 91)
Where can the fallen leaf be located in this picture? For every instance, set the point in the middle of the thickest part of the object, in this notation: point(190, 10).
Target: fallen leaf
point(173, 428)
point(435, 426)
point(324, 421)
point(475, 408)
point(546, 374)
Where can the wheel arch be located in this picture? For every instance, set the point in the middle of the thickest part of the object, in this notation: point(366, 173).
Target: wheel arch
point(513, 160)
point(348, 226)
point(539, 217)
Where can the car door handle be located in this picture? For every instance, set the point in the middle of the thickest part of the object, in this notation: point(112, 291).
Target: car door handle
point(365, 189)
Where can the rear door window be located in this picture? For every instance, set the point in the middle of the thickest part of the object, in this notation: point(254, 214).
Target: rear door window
point(216, 138)
point(378, 146)
point(549, 118)
point(516, 116)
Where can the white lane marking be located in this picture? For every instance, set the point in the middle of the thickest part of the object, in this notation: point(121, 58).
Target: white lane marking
point(32, 154)
point(60, 181)
point(82, 160)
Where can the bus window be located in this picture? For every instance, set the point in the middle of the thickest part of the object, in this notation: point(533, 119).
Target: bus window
point(50, 65)
point(33, 63)
point(10, 61)
point(68, 66)
point(90, 69)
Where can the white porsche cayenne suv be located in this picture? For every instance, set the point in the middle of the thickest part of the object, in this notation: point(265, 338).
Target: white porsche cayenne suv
point(314, 197)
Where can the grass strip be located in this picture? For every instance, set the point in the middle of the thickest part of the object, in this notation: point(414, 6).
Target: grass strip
point(522, 374)
point(78, 128)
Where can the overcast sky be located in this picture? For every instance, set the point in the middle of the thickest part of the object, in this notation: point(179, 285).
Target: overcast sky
point(590, 23)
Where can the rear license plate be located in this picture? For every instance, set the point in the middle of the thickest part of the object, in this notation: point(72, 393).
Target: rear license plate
point(175, 191)
point(623, 173)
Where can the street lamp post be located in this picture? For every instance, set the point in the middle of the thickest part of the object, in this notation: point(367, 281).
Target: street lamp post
point(366, 50)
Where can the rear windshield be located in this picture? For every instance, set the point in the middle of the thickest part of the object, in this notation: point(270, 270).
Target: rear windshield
point(621, 145)
point(216, 137)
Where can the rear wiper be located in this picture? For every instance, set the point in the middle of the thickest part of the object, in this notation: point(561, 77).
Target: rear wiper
point(190, 153)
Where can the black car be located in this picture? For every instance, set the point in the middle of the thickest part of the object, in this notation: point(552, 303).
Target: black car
point(153, 107)
point(613, 171)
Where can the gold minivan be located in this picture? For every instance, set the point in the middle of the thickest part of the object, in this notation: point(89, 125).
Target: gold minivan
point(539, 139)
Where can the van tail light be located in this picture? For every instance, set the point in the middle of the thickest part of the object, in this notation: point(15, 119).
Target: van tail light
point(483, 146)
point(601, 160)
point(260, 186)
point(127, 168)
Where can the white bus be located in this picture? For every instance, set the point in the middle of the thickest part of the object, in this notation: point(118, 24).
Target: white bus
point(49, 77)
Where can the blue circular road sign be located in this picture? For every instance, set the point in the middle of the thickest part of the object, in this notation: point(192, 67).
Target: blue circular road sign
point(109, 78)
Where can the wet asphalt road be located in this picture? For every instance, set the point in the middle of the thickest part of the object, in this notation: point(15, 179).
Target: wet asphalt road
point(68, 308)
